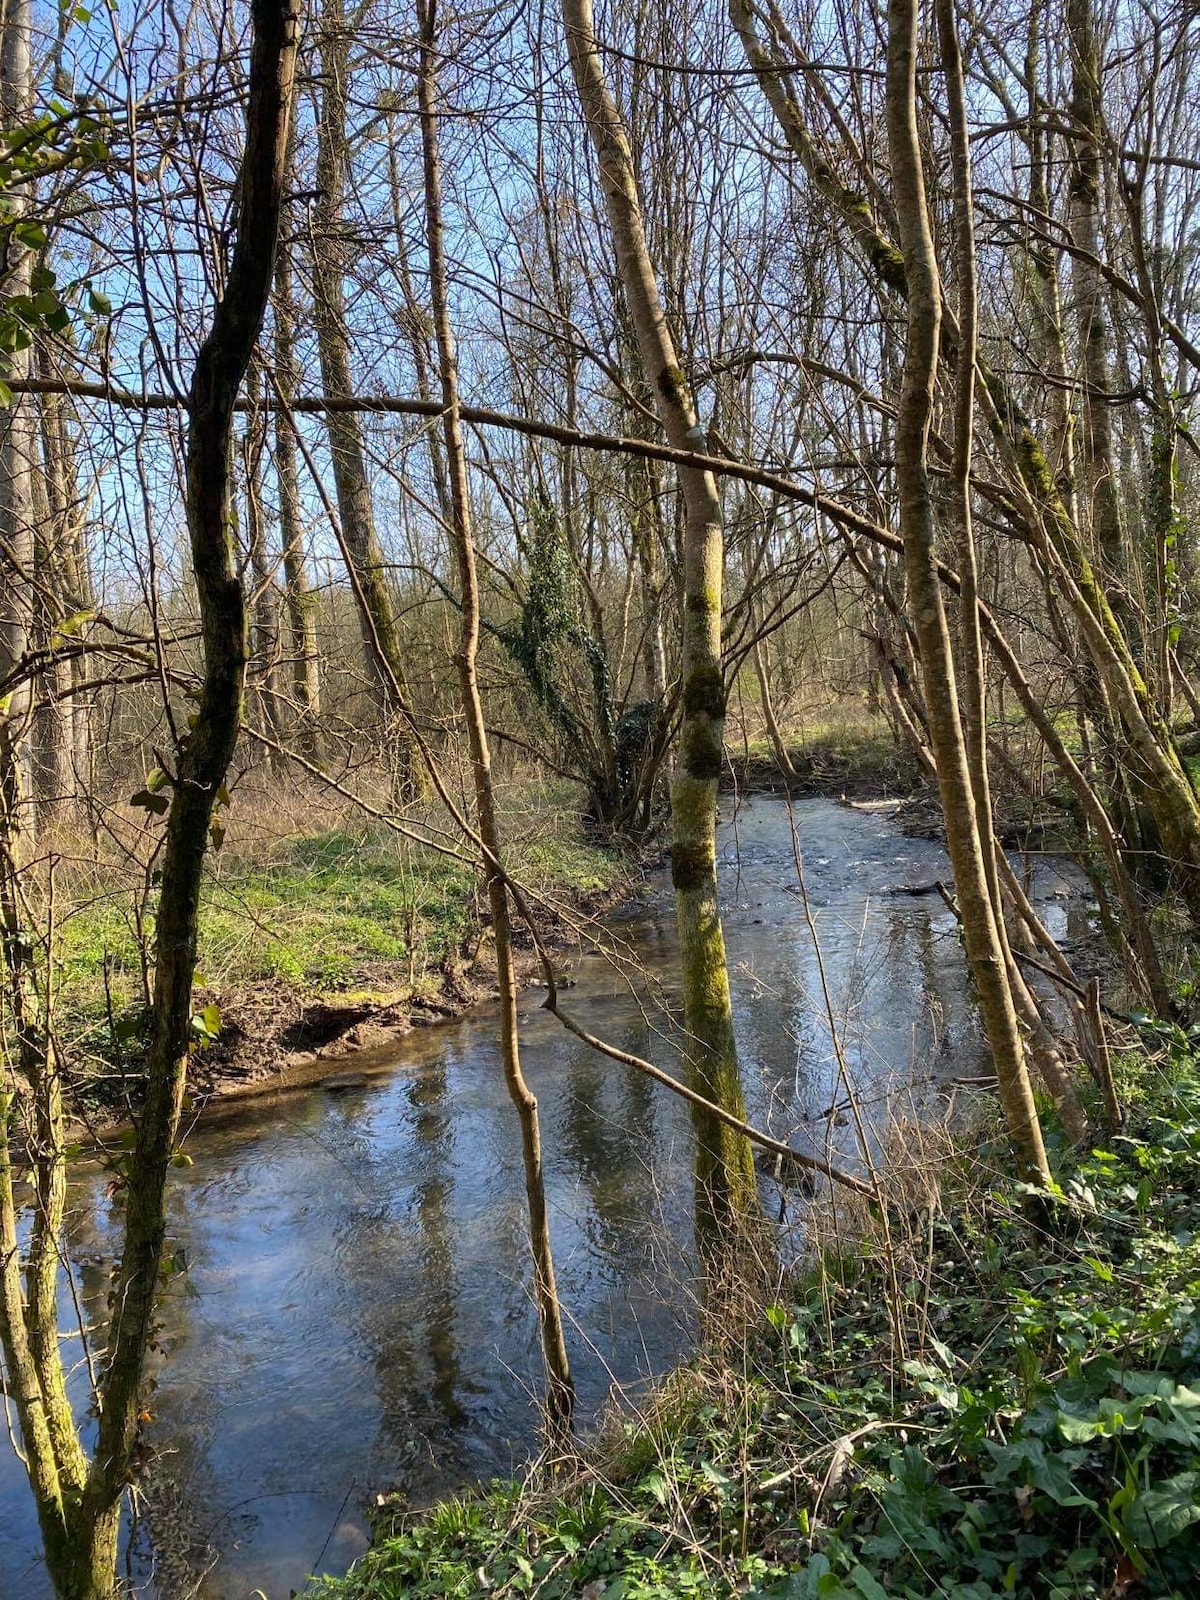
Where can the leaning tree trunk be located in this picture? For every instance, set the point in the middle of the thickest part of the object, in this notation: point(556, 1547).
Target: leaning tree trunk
point(973, 678)
point(202, 766)
point(985, 951)
point(377, 616)
point(560, 1394)
point(727, 1201)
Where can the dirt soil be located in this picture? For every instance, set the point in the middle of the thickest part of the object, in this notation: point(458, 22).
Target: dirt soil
point(276, 1036)
point(876, 770)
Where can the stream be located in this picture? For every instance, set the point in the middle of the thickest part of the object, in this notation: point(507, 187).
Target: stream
point(355, 1314)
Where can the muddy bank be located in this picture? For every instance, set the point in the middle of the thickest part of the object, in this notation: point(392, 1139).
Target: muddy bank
point(277, 1036)
point(827, 769)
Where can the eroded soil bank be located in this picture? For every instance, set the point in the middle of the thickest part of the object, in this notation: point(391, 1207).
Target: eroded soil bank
point(277, 1036)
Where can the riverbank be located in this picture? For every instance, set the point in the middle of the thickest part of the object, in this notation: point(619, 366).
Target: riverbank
point(325, 933)
point(974, 1405)
point(316, 942)
point(856, 759)
point(859, 759)
point(359, 1248)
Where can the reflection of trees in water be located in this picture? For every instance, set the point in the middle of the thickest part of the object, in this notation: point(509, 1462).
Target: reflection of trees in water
point(897, 988)
point(619, 1151)
point(169, 1536)
point(402, 1294)
point(603, 1130)
point(388, 1282)
point(435, 1214)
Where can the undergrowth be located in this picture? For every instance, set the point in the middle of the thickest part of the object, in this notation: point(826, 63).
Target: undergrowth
point(347, 911)
point(1013, 1409)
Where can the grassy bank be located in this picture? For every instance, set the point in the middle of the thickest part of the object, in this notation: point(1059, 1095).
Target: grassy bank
point(980, 1408)
point(849, 752)
point(317, 925)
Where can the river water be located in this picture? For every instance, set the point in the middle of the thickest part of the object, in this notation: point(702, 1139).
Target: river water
point(355, 1315)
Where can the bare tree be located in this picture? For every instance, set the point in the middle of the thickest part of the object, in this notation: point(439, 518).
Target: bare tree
point(380, 633)
point(560, 1393)
point(79, 1499)
point(727, 1201)
point(964, 840)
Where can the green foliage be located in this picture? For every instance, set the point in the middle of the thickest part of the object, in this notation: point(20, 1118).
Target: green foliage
point(62, 137)
point(549, 620)
point(1023, 1422)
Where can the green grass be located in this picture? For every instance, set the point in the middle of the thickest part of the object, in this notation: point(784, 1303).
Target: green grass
point(1014, 1412)
point(857, 754)
point(341, 911)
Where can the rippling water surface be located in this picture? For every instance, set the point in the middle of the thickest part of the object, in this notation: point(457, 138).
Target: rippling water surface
point(355, 1314)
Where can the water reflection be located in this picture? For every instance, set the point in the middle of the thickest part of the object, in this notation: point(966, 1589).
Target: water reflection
point(356, 1314)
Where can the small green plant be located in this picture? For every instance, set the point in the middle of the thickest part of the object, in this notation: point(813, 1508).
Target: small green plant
point(1034, 1433)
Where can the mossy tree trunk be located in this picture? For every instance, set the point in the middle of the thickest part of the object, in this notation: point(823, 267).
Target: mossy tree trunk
point(727, 1199)
point(973, 680)
point(984, 941)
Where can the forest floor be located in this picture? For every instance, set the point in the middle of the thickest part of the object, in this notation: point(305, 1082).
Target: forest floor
point(974, 1402)
point(322, 933)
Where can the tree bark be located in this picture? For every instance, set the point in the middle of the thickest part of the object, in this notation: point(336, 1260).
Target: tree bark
point(18, 456)
point(726, 1193)
point(985, 951)
point(202, 765)
point(264, 599)
point(382, 649)
point(299, 599)
point(1084, 190)
point(68, 575)
point(560, 1392)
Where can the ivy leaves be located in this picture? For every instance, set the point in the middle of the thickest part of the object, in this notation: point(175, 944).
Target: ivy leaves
point(62, 138)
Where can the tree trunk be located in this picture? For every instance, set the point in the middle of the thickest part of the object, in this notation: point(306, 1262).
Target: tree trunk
point(560, 1393)
point(264, 606)
point(301, 607)
point(727, 1199)
point(204, 759)
point(985, 951)
point(18, 456)
point(1040, 511)
point(377, 618)
point(69, 570)
point(1047, 309)
point(762, 671)
point(1100, 479)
